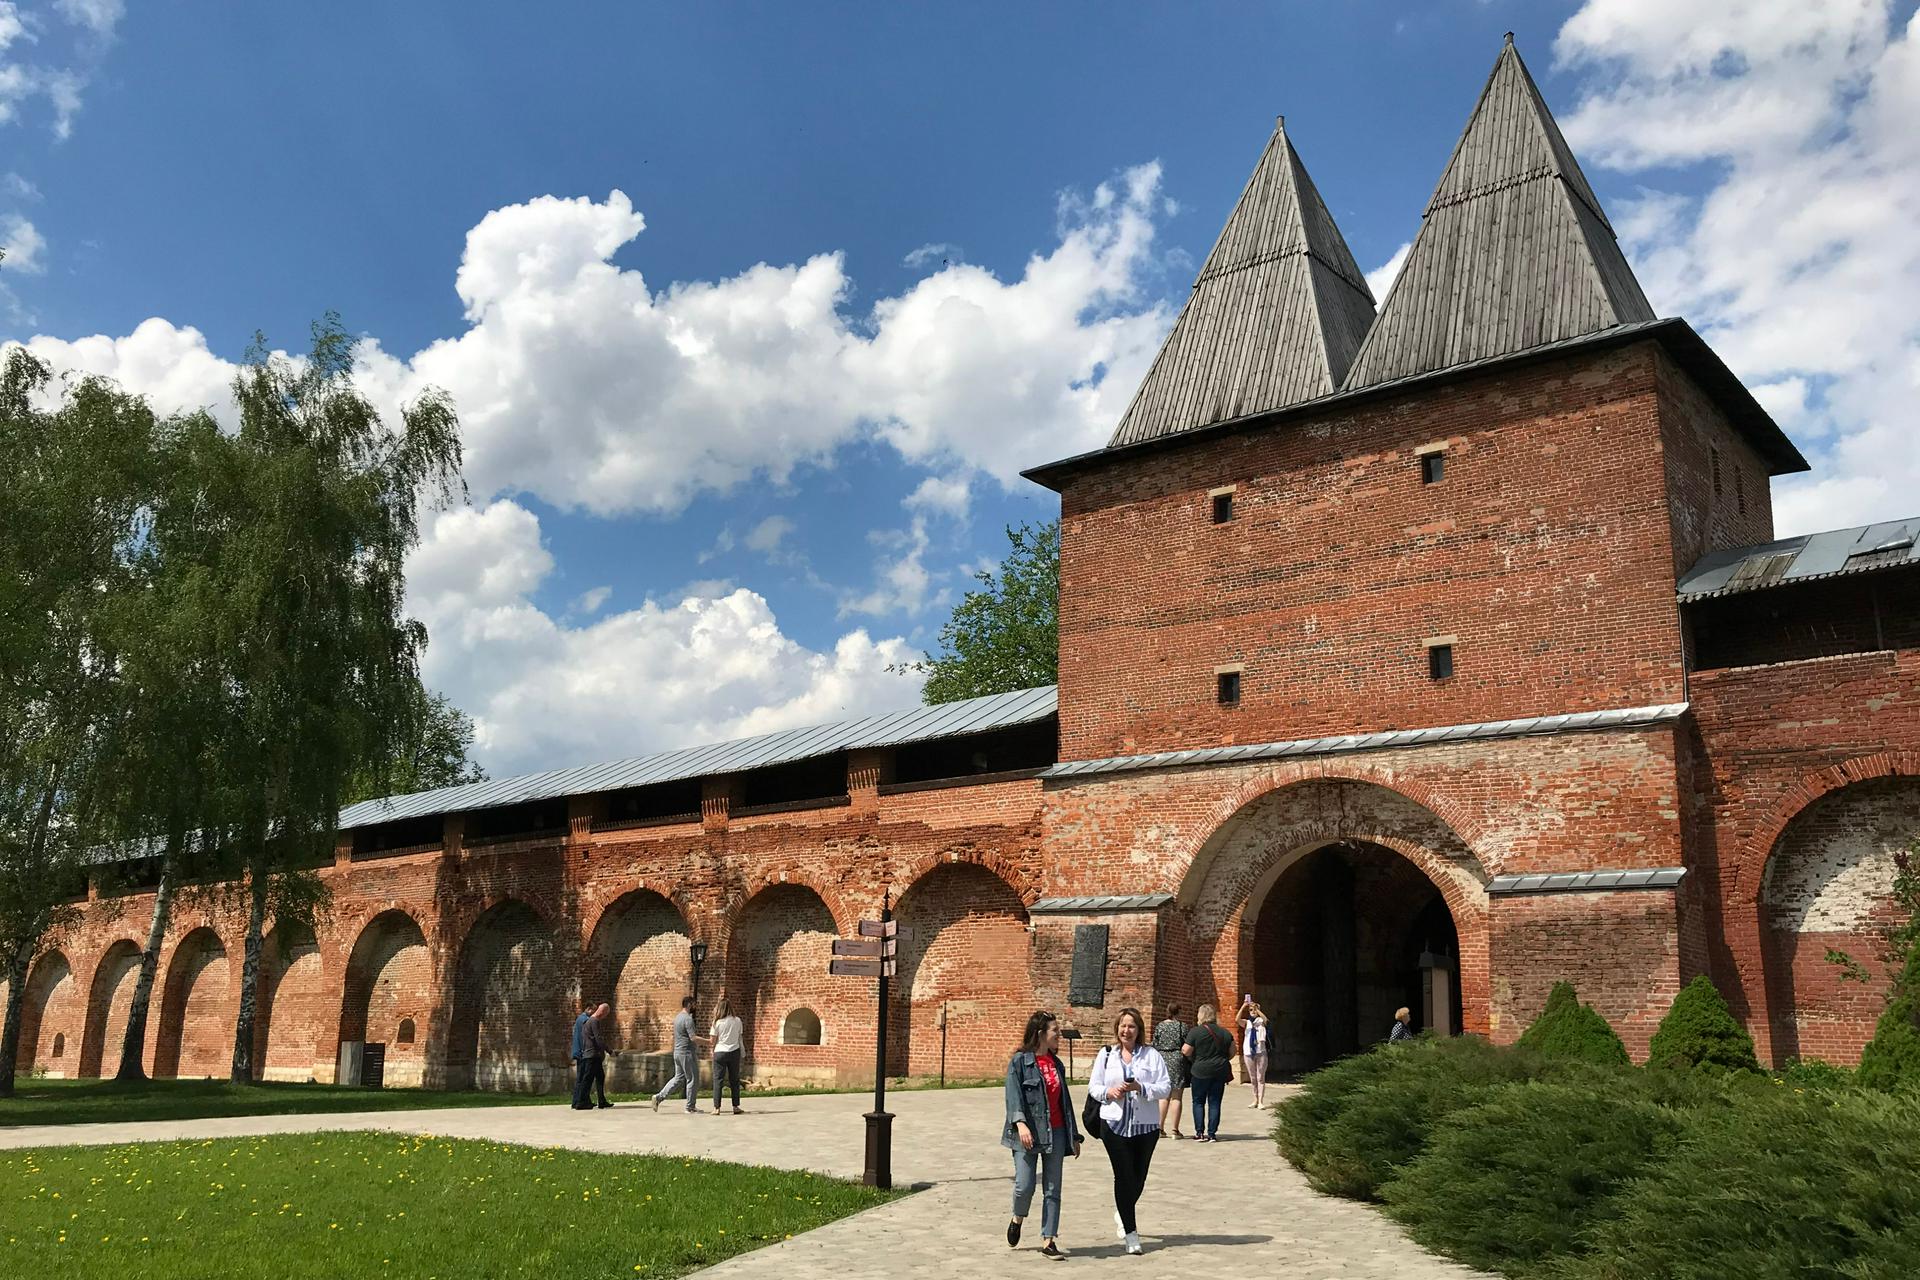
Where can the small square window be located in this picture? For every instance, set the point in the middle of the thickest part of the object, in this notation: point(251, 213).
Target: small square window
point(1439, 661)
point(1222, 507)
point(1228, 688)
point(1432, 467)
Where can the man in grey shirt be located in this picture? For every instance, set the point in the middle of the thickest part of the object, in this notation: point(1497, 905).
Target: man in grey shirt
point(686, 1061)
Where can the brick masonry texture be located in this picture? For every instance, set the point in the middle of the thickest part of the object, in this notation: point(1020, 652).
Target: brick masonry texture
point(1576, 489)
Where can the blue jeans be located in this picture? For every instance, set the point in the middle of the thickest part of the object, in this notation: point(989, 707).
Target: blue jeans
point(1047, 1161)
point(1206, 1105)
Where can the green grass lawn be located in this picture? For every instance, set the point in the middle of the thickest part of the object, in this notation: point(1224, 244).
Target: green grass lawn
point(370, 1204)
point(90, 1101)
point(109, 1101)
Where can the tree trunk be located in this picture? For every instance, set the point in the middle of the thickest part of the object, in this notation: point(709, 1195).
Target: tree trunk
point(242, 1072)
point(133, 1046)
point(17, 965)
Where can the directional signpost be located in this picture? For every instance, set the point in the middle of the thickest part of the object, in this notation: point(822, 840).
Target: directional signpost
point(871, 956)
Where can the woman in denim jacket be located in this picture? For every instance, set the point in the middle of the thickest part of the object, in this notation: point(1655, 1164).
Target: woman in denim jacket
point(1041, 1130)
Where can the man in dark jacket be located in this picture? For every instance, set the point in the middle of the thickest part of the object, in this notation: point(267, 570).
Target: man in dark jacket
point(590, 1059)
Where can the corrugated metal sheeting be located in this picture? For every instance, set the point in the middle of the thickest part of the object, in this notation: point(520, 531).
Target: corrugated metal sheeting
point(918, 724)
point(1514, 250)
point(1587, 881)
point(1275, 317)
point(1807, 558)
point(1627, 717)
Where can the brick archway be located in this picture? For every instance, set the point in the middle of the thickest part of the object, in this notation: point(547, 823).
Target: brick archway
point(779, 942)
point(964, 946)
point(1815, 879)
point(1282, 816)
point(194, 1034)
point(1750, 874)
point(387, 978)
point(509, 1013)
point(112, 990)
point(48, 998)
point(638, 959)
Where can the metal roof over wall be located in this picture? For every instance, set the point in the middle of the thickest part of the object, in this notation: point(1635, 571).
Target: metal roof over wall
point(1807, 558)
point(917, 724)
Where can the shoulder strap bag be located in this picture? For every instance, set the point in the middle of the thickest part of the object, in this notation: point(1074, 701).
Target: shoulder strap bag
point(1090, 1122)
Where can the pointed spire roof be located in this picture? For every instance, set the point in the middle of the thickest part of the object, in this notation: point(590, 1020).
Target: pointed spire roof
point(1514, 251)
point(1275, 317)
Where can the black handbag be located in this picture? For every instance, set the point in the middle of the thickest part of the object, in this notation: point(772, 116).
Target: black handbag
point(1090, 1122)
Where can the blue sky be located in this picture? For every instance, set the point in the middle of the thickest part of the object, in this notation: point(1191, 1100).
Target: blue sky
point(730, 505)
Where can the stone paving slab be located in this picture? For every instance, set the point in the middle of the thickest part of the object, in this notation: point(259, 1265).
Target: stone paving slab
point(1235, 1205)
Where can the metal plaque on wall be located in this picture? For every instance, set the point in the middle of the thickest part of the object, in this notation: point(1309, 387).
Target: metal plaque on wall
point(1089, 983)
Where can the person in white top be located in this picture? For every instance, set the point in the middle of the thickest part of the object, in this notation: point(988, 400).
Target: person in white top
point(727, 1036)
point(1129, 1078)
point(1254, 1046)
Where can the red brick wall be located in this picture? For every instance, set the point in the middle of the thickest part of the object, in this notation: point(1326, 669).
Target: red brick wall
point(51, 1022)
point(112, 994)
point(963, 943)
point(780, 948)
point(1739, 512)
point(389, 979)
point(1546, 550)
point(510, 1013)
point(294, 1034)
point(1771, 742)
point(1621, 951)
point(197, 1004)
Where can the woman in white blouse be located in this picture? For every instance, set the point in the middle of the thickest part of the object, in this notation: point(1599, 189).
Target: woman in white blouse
point(727, 1037)
point(1129, 1078)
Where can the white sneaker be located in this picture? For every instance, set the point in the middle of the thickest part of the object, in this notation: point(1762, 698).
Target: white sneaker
point(1133, 1242)
point(1119, 1229)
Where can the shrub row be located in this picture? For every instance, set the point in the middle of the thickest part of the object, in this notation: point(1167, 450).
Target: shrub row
point(1557, 1158)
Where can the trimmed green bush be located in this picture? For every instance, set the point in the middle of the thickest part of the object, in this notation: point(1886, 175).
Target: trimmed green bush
point(1783, 1186)
point(1571, 1030)
point(1515, 1181)
point(1812, 1073)
point(1700, 1031)
point(1891, 1059)
point(1351, 1139)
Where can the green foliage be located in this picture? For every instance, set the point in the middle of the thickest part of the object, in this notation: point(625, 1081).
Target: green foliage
point(1568, 1029)
point(1891, 1059)
point(1006, 635)
point(1783, 1186)
point(1699, 1031)
point(1812, 1073)
point(1517, 1179)
point(437, 753)
point(1349, 1134)
point(73, 482)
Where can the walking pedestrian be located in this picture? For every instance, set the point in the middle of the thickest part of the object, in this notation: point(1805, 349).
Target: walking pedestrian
point(1255, 1044)
point(686, 1063)
point(590, 1059)
point(1209, 1052)
point(727, 1048)
point(1402, 1028)
point(1128, 1078)
point(1040, 1129)
point(1167, 1038)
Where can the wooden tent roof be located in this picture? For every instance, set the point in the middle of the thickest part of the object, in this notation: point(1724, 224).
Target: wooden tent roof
point(1514, 251)
point(1274, 319)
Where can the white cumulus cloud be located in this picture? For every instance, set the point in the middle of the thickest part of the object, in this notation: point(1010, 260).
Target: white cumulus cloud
point(1800, 259)
point(697, 668)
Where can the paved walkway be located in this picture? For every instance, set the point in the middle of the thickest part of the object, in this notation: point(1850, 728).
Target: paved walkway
point(1236, 1205)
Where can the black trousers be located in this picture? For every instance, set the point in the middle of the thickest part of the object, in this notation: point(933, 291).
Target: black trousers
point(588, 1072)
point(1130, 1158)
point(726, 1066)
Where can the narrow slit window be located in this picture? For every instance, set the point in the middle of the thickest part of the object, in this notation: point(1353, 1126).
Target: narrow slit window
point(1716, 469)
point(1433, 466)
point(1227, 688)
point(1223, 507)
point(1740, 490)
point(1439, 661)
